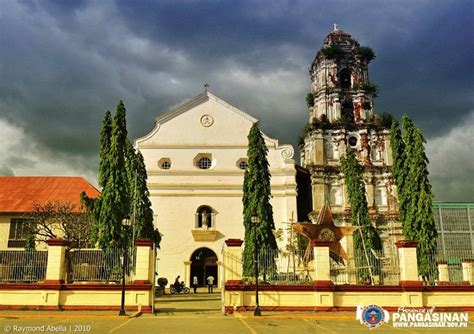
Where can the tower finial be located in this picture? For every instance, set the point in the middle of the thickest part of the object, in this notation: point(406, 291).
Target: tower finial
point(206, 87)
point(335, 27)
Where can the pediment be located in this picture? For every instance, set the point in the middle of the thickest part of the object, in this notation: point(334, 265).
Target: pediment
point(183, 125)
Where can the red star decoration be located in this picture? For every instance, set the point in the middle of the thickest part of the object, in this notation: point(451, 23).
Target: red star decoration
point(325, 229)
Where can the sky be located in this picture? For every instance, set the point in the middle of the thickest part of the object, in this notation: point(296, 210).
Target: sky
point(64, 63)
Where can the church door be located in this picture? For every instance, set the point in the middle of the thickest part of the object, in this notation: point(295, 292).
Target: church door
point(203, 264)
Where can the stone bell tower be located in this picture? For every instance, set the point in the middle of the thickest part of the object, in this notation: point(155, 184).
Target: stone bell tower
point(341, 113)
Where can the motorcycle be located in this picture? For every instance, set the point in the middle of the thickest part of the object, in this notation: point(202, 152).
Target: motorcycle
point(181, 288)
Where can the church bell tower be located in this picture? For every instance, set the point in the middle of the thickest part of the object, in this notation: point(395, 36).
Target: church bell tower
point(341, 114)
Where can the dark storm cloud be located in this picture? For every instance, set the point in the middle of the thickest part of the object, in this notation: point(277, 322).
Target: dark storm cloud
point(62, 64)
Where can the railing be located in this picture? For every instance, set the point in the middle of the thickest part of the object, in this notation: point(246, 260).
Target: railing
point(97, 265)
point(454, 266)
point(370, 268)
point(278, 267)
point(27, 266)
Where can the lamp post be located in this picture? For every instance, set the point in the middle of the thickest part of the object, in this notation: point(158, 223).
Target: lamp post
point(255, 221)
point(125, 225)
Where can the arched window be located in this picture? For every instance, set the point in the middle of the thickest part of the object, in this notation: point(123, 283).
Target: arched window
point(345, 78)
point(347, 111)
point(204, 217)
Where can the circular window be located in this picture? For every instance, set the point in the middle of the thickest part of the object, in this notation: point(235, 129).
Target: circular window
point(207, 120)
point(243, 165)
point(204, 163)
point(352, 141)
point(165, 165)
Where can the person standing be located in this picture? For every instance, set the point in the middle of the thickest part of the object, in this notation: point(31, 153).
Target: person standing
point(210, 284)
point(195, 283)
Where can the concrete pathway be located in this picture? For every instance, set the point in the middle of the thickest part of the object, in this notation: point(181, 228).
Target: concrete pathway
point(196, 314)
point(200, 303)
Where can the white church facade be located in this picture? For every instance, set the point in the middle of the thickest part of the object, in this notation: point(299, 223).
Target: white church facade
point(196, 158)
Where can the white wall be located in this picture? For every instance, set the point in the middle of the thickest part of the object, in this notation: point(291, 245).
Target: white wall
point(176, 193)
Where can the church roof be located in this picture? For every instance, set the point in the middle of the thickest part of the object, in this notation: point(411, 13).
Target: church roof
point(339, 37)
point(195, 101)
point(18, 194)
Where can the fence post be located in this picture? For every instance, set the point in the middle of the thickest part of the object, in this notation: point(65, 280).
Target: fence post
point(144, 263)
point(324, 295)
point(232, 274)
point(232, 260)
point(443, 272)
point(321, 273)
point(467, 271)
point(408, 262)
point(409, 280)
point(56, 267)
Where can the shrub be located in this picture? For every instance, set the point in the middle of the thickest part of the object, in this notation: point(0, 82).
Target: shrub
point(333, 52)
point(302, 134)
point(310, 100)
point(162, 282)
point(368, 87)
point(366, 53)
point(386, 120)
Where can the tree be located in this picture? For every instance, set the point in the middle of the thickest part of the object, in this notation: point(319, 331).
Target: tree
point(366, 238)
point(353, 176)
point(410, 189)
point(142, 213)
point(256, 200)
point(92, 205)
point(122, 176)
point(398, 169)
point(114, 202)
point(420, 212)
point(410, 168)
point(104, 149)
point(60, 220)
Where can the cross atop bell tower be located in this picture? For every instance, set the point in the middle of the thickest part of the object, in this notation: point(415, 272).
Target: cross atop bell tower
point(340, 86)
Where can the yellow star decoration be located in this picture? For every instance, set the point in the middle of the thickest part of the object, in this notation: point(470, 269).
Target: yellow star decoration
point(325, 229)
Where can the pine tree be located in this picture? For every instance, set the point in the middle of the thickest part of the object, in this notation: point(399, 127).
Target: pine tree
point(398, 169)
point(92, 205)
point(104, 149)
point(410, 189)
point(114, 199)
point(421, 210)
point(123, 178)
point(256, 200)
point(410, 168)
point(141, 210)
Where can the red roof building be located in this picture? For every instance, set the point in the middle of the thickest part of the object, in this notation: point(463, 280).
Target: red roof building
point(18, 194)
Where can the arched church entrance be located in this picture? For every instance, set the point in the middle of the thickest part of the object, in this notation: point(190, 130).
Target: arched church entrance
point(203, 264)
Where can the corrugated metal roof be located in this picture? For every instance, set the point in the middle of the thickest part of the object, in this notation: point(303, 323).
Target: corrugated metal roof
point(18, 194)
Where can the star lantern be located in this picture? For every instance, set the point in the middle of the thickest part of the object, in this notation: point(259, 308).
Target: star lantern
point(325, 229)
